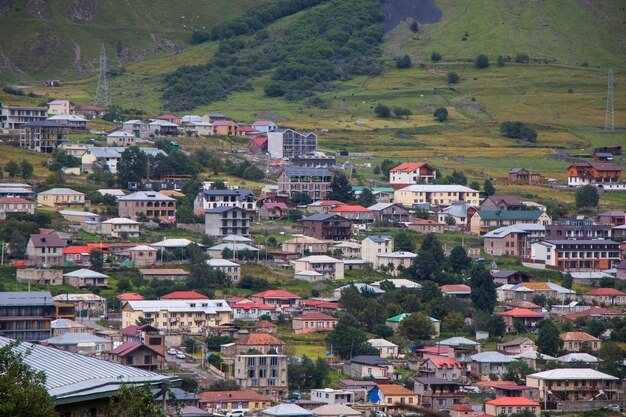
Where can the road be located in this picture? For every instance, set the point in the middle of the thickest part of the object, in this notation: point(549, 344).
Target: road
point(192, 367)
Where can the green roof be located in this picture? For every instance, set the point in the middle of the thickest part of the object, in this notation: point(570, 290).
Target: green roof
point(381, 189)
point(400, 317)
point(510, 214)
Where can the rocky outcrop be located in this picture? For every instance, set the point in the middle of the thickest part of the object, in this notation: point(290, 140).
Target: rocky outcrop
point(84, 10)
point(37, 8)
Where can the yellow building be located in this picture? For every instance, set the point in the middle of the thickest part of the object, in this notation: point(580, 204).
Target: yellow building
point(511, 405)
point(221, 402)
point(392, 395)
point(193, 316)
point(61, 197)
point(436, 194)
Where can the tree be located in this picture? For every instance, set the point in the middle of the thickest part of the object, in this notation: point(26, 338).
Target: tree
point(517, 130)
point(458, 260)
point(135, 401)
point(348, 339)
point(22, 389)
point(123, 285)
point(189, 384)
point(417, 326)
point(501, 61)
point(401, 112)
point(274, 89)
point(568, 281)
point(414, 27)
point(12, 168)
point(366, 199)
point(587, 197)
point(301, 199)
point(382, 110)
point(453, 77)
point(454, 322)
point(404, 242)
point(403, 62)
point(475, 185)
point(387, 165)
point(435, 57)
point(549, 341)
point(522, 58)
point(96, 259)
point(441, 114)
point(517, 371)
point(612, 357)
point(133, 166)
point(26, 169)
point(432, 244)
point(482, 61)
point(340, 188)
point(304, 374)
point(488, 188)
point(483, 289)
point(595, 327)
point(424, 267)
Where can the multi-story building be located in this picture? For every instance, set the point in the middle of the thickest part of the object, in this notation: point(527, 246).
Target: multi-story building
point(221, 402)
point(43, 136)
point(313, 323)
point(71, 120)
point(227, 220)
point(436, 194)
point(287, 143)
point(60, 107)
point(26, 316)
point(327, 227)
point(137, 355)
point(209, 199)
point(484, 220)
point(266, 374)
point(86, 278)
point(390, 213)
point(487, 363)
point(312, 181)
point(151, 204)
point(45, 250)
point(576, 389)
point(120, 227)
point(332, 396)
point(504, 406)
point(442, 367)
point(392, 394)
point(577, 255)
point(437, 393)
point(395, 262)
point(411, 173)
point(513, 240)
point(194, 316)
point(374, 246)
point(577, 229)
point(314, 160)
point(232, 270)
point(15, 205)
point(13, 117)
point(261, 342)
point(579, 341)
point(385, 348)
point(596, 173)
point(501, 202)
point(329, 267)
point(61, 197)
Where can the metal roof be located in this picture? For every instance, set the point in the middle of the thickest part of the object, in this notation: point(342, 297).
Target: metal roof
point(23, 298)
point(492, 357)
point(58, 191)
point(307, 172)
point(433, 188)
point(72, 378)
point(457, 341)
point(286, 410)
point(85, 273)
point(146, 195)
point(572, 373)
point(76, 338)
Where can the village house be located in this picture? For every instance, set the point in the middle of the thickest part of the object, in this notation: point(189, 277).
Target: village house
point(443, 368)
point(142, 255)
point(436, 393)
point(278, 298)
point(511, 405)
point(458, 291)
point(507, 276)
point(392, 394)
point(252, 311)
point(263, 343)
point(121, 138)
point(90, 112)
point(502, 203)
point(411, 173)
point(86, 278)
point(160, 127)
point(312, 181)
point(120, 227)
point(305, 245)
point(436, 194)
point(66, 326)
point(390, 213)
point(77, 217)
point(257, 145)
point(313, 323)
point(332, 396)
point(456, 214)
point(385, 348)
point(605, 297)
point(487, 363)
point(264, 126)
point(576, 255)
point(71, 121)
point(221, 402)
point(513, 240)
point(366, 366)
point(146, 334)
point(225, 128)
point(61, 197)
point(15, 205)
point(208, 199)
point(347, 250)
point(529, 318)
point(357, 214)
point(396, 262)
point(85, 304)
point(526, 291)
point(287, 143)
point(374, 246)
point(612, 218)
point(45, 250)
point(327, 227)
point(83, 343)
point(601, 174)
point(574, 228)
point(426, 226)
point(136, 355)
point(10, 189)
point(150, 204)
point(97, 156)
point(484, 220)
point(323, 206)
point(578, 341)
point(273, 211)
point(227, 220)
point(329, 267)
point(232, 270)
point(516, 346)
point(266, 374)
point(60, 107)
point(39, 276)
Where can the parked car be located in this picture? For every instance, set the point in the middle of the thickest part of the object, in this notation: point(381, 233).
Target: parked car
point(171, 351)
point(236, 413)
point(180, 355)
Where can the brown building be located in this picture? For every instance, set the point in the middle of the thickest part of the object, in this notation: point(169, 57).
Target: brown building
point(501, 202)
point(15, 205)
point(147, 335)
point(327, 227)
point(45, 250)
point(600, 173)
point(312, 181)
point(578, 341)
point(136, 355)
point(257, 144)
point(390, 213)
point(578, 229)
point(507, 276)
point(273, 211)
point(426, 226)
point(151, 204)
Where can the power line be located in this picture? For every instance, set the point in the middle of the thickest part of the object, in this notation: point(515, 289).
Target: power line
point(609, 116)
point(103, 96)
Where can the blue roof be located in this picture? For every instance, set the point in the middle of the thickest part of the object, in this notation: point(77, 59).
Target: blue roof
point(307, 172)
point(380, 239)
point(370, 360)
point(223, 209)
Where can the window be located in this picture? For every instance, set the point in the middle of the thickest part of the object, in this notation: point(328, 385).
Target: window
point(147, 359)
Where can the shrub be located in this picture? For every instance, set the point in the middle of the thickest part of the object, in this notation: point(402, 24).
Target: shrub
point(382, 110)
point(501, 61)
point(522, 59)
point(453, 77)
point(482, 61)
point(415, 27)
point(402, 112)
point(517, 130)
point(441, 114)
point(274, 90)
point(404, 62)
point(435, 57)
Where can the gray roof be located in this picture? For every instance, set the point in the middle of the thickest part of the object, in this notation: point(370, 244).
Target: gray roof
point(322, 217)
point(362, 287)
point(335, 410)
point(581, 357)
point(457, 341)
point(428, 380)
point(572, 373)
point(223, 209)
point(76, 338)
point(492, 357)
point(64, 191)
point(241, 192)
point(23, 298)
point(146, 195)
point(286, 410)
point(381, 206)
point(77, 213)
point(51, 240)
point(307, 172)
point(85, 273)
point(370, 360)
point(71, 377)
point(233, 247)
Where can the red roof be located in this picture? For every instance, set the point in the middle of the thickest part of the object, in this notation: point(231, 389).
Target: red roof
point(514, 402)
point(76, 250)
point(326, 203)
point(281, 206)
point(15, 200)
point(275, 294)
point(351, 209)
point(129, 347)
point(455, 288)
point(522, 312)
point(100, 246)
point(256, 339)
point(461, 407)
point(134, 329)
point(184, 295)
point(441, 362)
point(259, 141)
point(594, 311)
point(223, 123)
point(434, 350)
point(408, 166)
point(130, 296)
point(321, 304)
point(167, 116)
point(263, 324)
point(248, 306)
point(315, 316)
point(598, 291)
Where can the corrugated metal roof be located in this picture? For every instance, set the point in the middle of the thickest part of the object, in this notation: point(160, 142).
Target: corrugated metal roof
point(23, 298)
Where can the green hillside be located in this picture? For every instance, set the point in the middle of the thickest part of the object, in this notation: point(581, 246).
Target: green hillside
point(62, 38)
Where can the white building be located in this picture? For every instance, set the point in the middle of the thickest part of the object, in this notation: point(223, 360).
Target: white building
point(120, 227)
point(436, 194)
point(287, 143)
point(121, 138)
point(330, 268)
point(374, 246)
point(231, 269)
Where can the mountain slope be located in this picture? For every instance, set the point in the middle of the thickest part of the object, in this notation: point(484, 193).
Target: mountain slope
point(62, 38)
